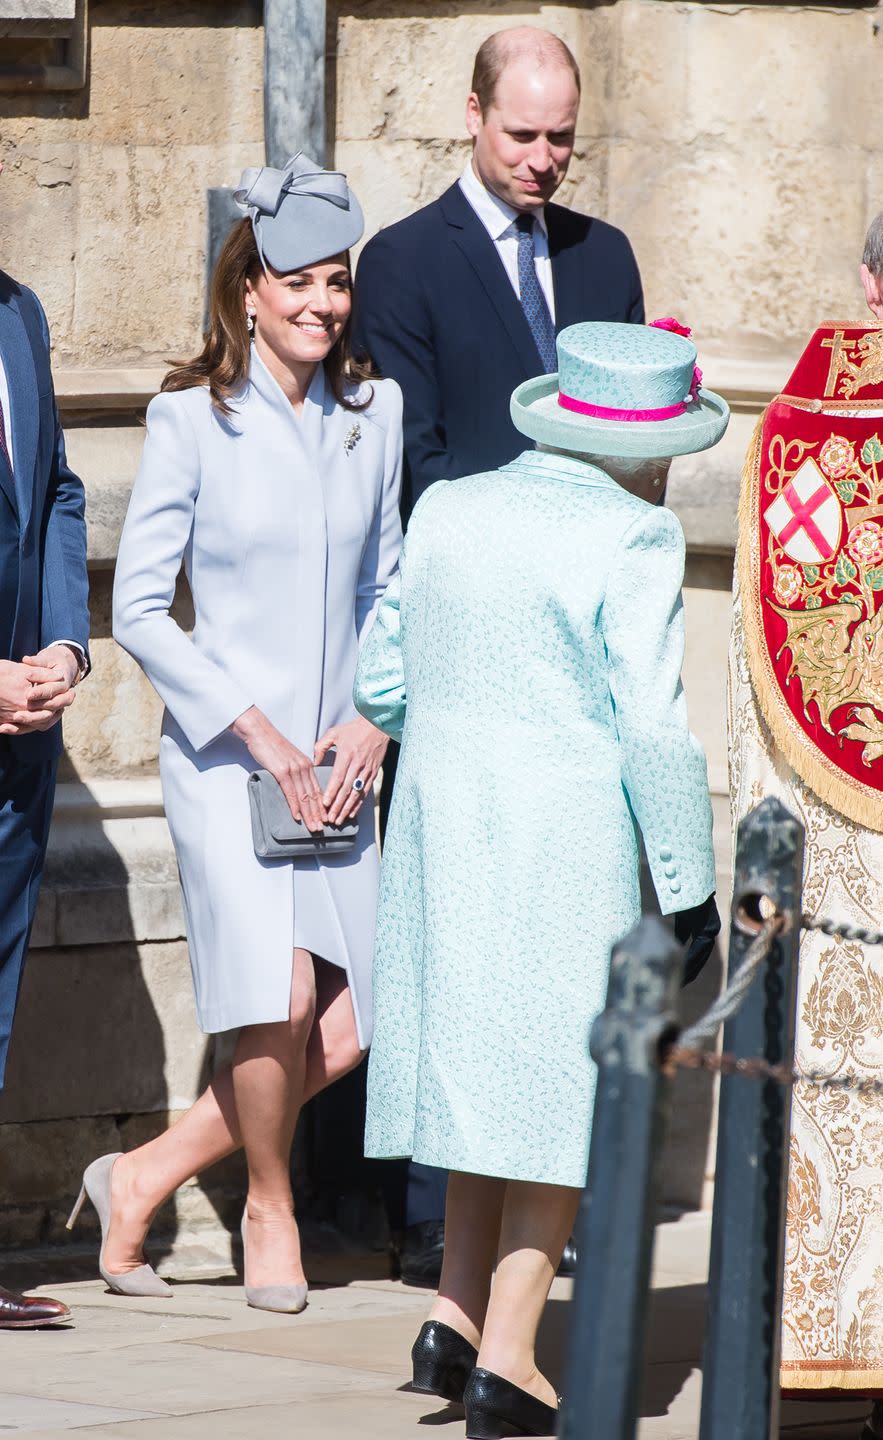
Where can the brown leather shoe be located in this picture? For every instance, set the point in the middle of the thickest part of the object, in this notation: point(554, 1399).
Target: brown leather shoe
point(29, 1312)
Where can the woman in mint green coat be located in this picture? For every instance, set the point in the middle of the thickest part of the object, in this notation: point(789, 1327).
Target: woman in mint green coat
point(529, 658)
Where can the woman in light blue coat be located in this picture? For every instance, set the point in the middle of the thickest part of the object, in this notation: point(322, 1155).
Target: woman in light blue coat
point(272, 469)
point(528, 656)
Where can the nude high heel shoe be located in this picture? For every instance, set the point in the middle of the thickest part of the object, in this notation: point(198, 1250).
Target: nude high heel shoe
point(286, 1299)
point(96, 1184)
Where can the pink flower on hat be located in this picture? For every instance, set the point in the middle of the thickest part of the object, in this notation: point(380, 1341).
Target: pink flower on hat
point(668, 322)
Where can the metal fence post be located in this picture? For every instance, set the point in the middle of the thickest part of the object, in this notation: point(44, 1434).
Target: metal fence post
point(740, 1391)
point(618, 1210)
point(294, 79)
point(294, 109)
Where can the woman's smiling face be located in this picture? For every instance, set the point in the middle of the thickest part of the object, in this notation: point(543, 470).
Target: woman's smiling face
point(300, 316)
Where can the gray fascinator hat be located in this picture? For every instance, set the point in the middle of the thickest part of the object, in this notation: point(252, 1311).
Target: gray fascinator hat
point(300, 214)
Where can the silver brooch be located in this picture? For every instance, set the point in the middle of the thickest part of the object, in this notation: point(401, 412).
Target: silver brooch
point(353, 438)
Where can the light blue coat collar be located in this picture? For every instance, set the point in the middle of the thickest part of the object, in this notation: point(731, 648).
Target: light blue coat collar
point(269, 388)
point(561, 467)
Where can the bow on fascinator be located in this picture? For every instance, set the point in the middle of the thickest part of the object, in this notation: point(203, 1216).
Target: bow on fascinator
point(261, 190)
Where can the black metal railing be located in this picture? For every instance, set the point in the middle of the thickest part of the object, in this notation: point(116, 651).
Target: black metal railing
point(637, 1044)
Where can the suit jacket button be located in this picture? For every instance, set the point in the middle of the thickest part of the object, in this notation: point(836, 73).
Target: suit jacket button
point(664, 854)
point(671, 871)
point(675, 887)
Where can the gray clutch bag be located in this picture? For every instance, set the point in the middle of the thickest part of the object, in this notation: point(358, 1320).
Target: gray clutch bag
point(278, 836)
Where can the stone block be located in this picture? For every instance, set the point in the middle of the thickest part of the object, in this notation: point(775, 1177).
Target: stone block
point(804, 80)
point(112, 731)
point(394, 178)
point(109, 915)
point(408, 77)
point(42, 1165)
point(104, 1030)
point(38, 225)
point(703, 489)
point(39, 10)
point(190, 82)
point(758, 258)
point(707, 616)
point(649, 78)
point(586, 185)
point(129, 201)
point(106, 457)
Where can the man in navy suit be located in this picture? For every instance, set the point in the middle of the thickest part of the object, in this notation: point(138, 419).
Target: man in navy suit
point(44, 630)
point(460, 303)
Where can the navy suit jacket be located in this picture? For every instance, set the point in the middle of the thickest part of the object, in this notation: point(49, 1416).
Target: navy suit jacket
point(43, 581)
point(436, 311)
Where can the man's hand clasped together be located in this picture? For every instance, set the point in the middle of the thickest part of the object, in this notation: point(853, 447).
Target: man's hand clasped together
point(35, 692)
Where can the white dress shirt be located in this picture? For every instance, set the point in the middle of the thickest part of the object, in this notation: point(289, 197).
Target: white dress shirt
point(498, 219)
point(7, 433)
point(4, 401)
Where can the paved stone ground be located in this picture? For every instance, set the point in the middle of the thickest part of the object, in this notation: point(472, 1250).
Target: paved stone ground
point(203, 1366)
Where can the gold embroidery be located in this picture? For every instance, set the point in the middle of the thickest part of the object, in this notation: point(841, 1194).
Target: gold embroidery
point(854, 364)
point(832, 1321)
point(842, 587)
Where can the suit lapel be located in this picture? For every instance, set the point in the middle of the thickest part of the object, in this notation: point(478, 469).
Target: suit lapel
point(24, 404)
point(468, 233)
point(568, 271)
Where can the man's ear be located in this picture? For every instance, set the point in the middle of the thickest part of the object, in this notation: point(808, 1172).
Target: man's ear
point(474, 118)
point(873, 292)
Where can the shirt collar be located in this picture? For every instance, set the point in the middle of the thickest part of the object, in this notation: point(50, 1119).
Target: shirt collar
point(495, 215)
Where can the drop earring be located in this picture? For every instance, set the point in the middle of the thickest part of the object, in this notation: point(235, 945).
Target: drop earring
point(249, 321)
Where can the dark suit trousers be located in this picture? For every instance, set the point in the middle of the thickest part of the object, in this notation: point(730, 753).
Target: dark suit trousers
point(27, 790)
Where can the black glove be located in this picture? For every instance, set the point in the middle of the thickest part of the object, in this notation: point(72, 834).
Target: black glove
point(699, 926)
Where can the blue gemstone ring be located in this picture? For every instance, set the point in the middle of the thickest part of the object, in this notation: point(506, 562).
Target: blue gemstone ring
point(358, 783)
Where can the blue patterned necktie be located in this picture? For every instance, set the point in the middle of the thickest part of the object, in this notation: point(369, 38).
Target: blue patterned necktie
point(533, 301)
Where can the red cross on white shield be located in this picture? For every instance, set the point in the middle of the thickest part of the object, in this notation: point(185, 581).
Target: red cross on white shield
point(806, 517)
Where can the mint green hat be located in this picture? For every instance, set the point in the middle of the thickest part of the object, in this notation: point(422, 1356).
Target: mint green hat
point(622, 390)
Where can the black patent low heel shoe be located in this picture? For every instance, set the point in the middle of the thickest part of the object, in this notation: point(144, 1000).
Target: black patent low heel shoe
point(496, 1409)
point(443, 1361)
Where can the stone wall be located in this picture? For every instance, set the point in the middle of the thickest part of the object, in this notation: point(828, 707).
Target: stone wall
point(737, 145)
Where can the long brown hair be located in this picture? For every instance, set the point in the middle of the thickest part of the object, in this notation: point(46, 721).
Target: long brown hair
point(223, 362)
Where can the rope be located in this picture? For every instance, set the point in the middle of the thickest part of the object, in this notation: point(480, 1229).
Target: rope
point(842, 931)
point(730, 1000)
point(755, 1067)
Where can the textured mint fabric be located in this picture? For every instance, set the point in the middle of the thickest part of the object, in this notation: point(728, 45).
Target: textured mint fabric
point(529, 656)
point(625, 367)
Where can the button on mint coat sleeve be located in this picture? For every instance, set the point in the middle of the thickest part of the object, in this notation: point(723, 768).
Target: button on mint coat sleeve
point(663, 766)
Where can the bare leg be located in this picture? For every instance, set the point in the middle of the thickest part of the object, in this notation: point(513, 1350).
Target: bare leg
point(472, 1236)
point(333, 1048)
point(269, 1067)
point(144, 1178)
point(537, 1220)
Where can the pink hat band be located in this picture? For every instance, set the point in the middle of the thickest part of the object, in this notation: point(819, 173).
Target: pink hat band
point(605, 412)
